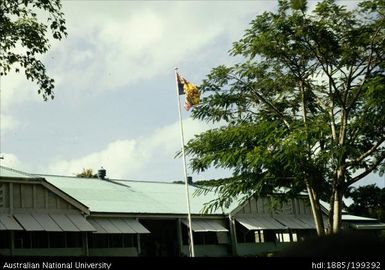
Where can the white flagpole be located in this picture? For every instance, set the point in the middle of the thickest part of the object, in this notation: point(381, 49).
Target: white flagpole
point(191, 246)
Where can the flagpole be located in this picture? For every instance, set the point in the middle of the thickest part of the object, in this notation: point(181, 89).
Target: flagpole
point(191, 246)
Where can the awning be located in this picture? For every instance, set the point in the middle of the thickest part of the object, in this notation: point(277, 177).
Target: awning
point(309, 220)
point(206, 225)
point(28, 222)
point(64, 223)
point(47, 222)
point(81, 223)
point(374, 226)
point(72, 222)
point(117, 225)
point(260, 223)
point(293, 222)
point(134, 224)
point(8, 222)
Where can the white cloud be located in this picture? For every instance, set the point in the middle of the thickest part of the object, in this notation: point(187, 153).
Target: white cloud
point(139, 41)
point(112, 45)
point(8, 123)
point(16, 89)
point(132, 158)
point(11, 161)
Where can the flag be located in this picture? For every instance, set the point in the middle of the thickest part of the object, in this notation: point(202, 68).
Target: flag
point(190, 90)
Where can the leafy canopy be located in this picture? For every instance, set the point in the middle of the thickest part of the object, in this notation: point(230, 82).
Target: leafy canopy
point(304, 107)
point(367, 201)
point(24, 27)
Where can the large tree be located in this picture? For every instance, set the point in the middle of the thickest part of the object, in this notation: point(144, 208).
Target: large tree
point(367, 201)
point(303, 109)
point(23, 38)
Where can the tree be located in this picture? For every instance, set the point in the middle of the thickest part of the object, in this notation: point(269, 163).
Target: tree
point(87, 173)
point(367, 201)
point(303, 109)
point(23, 38)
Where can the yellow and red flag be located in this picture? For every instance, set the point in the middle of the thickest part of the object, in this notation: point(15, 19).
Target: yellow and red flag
point(190, 90)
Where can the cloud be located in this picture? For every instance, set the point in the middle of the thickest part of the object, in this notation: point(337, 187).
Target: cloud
point(140, 41)
point(139, 158)
point(119, 50)
point(8, 123)
point(16, 89)
point(11, 161)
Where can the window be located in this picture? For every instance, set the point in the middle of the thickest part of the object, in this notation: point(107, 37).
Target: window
point(98, 240)
point(116, 241)
point(283, 237)
point(22, 239)
point(205, 238)
point(5, 239)
point(223, 238)
point(39, 239)
point(112, 240)
point(259, 236)
point(74, 239)
point(269, 236)
point(286, 237)
point(57, 240)
point(130, 240)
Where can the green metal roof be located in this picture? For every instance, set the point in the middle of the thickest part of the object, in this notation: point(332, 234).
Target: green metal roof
point(8, 172)
point(118, 196)
point(125, 196)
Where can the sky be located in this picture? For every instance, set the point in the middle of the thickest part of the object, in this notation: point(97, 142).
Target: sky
point(115, 100)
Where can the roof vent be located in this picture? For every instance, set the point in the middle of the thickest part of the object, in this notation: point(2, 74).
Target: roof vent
point(101, 173)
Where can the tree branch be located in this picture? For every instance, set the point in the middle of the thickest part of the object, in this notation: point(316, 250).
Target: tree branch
point(367, 171)
point(269, 104)
point(367, 153)
point(266, 102)
point(365, 68)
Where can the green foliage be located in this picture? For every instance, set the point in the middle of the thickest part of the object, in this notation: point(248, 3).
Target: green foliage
point(368, 201)
point(24, 27)
point(304, 106)
point(298, 5)
point(87, 173)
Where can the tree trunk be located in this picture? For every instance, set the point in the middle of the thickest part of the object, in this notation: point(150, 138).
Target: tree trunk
point(316, 210)
point(337, 211)
point(337, 198)
point(331, 214)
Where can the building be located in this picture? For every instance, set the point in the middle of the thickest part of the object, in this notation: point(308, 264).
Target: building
point(69, 216)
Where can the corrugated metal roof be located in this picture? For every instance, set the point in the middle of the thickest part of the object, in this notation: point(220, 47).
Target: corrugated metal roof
point(292, 222)
point(28, 222)
point(8, 172)
point(8, 222)
point(124, 196)
point(326, 206)
point(379, 226)
point(117, 225)
point(206, 225)
point(46, 222)
point(356, 218)
point(259, 223)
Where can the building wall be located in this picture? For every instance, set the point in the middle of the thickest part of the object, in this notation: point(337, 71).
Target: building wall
point(23, 197)
point(265, 206)
point(20, 196)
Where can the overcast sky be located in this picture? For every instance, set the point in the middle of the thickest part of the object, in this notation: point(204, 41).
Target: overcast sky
point(115, 103)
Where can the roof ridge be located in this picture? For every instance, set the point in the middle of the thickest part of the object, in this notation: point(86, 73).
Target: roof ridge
point(144, 181)
point(94, 178)
point(16, 171)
